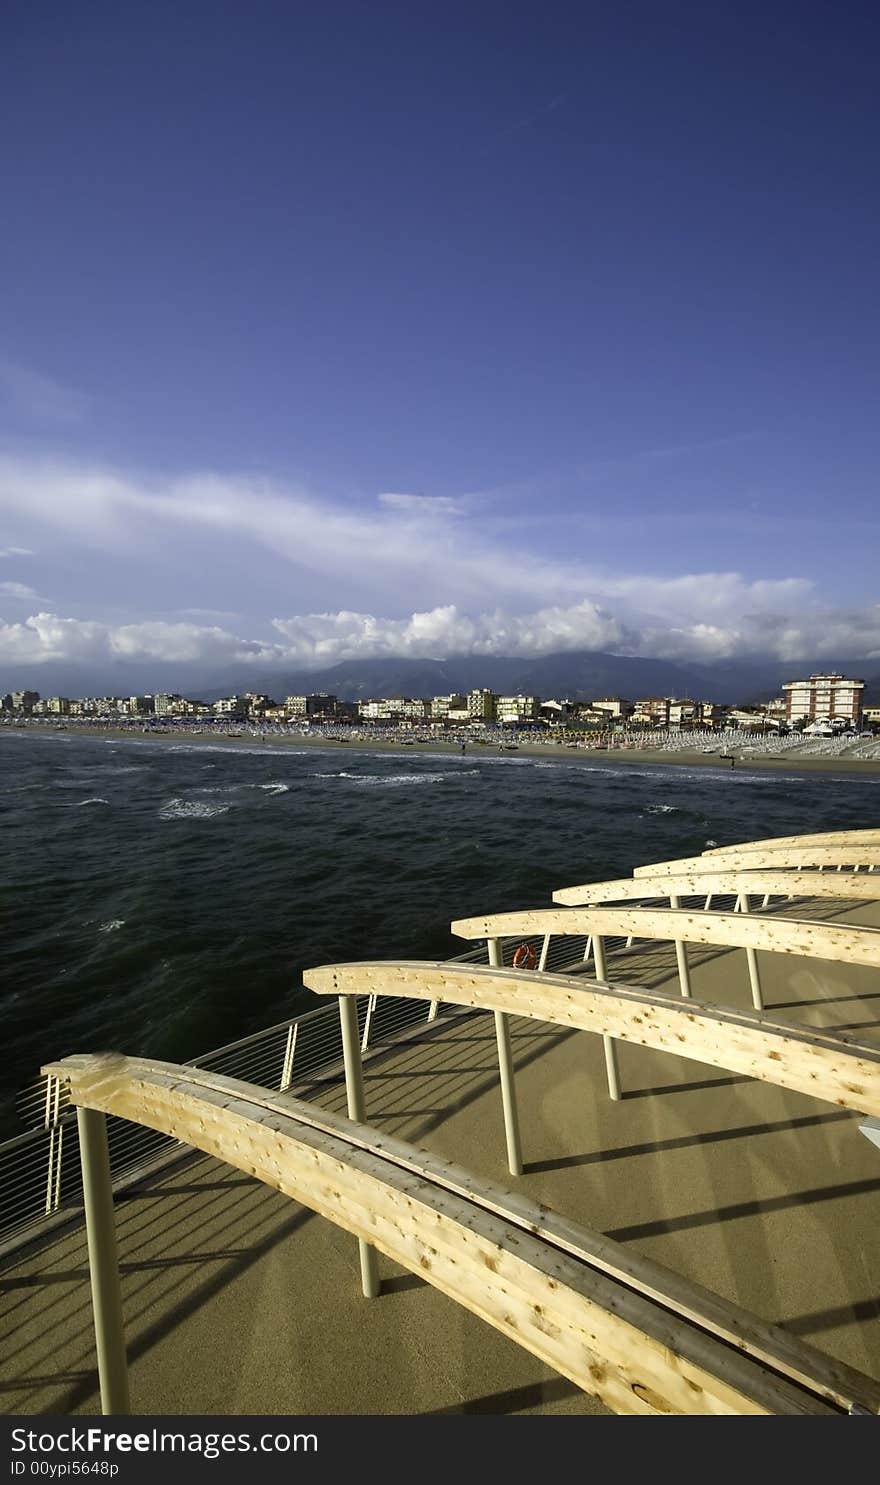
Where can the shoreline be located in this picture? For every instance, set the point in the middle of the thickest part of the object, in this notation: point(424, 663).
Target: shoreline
point(787, 762)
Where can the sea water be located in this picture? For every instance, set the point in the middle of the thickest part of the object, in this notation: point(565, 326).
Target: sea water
point(162, 898)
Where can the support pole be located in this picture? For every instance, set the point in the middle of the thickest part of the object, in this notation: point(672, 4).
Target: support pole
point(611, 1068)
point(545, 950)
point(684, 974)
point(357, 1109)
point(505, 1069)
point(752, 960)
point(103, 1262)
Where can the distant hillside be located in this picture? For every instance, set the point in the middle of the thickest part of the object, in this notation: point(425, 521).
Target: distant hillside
point(581, 675)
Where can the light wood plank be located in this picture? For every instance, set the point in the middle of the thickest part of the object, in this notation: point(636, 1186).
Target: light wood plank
point(843, 884)
point(866, 837)
point(845, 943)
point(782, 859)
point(611, 1339)
point(834, 1067)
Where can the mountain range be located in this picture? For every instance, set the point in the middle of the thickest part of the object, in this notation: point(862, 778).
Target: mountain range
point(581, 675)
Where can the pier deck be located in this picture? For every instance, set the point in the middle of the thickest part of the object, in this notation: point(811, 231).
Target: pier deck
point(239, 1302)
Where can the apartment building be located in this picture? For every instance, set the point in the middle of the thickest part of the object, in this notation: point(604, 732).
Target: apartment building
point(395, 709)
point(516, 711)
point(824, 698)
point(616, 706)
point(481, 705)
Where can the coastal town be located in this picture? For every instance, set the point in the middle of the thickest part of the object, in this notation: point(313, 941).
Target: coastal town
point(823, 705)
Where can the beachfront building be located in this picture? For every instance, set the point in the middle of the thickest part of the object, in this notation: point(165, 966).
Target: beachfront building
point(395, 709)
point(319, 707)
point(453, 707)
point(556, 713)
point(517, 711)
point(481, 705)
point(24, 701)
point(616, 707)
point(233, 707)
point(651, 711)
point(831, 698)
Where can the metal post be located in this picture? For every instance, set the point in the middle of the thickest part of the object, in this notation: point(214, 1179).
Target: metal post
point(505, 1069)
point(545, 950)
point(611, 1068)
point(103, 1263)
point(368, 1021)
point(684, 974)
point(357, 1109)
point(289, 1054)
point(752, 960)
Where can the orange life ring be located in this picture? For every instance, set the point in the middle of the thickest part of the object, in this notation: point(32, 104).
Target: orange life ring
point(525, 957)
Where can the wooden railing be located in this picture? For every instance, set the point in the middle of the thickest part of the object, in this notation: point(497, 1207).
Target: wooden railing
point(642, 1340)
point(713, 881)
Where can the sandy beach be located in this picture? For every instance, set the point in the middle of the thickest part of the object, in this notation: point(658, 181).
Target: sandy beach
point(737, 755)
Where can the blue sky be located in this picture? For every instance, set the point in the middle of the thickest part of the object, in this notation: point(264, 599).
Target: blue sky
point(336, 330)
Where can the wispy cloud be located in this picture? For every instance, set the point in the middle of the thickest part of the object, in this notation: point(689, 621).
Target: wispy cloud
point(18, 590)
point(16, 552)
point(39, 398)
point(410, 574)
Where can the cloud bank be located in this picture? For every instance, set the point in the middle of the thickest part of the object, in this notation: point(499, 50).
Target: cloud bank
point(315, 641)
point(408, 575)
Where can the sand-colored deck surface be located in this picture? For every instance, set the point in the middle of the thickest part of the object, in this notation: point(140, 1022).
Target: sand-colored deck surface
point(239, 1302)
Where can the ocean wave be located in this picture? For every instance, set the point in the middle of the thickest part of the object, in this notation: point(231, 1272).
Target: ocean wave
point(81, 802)
point(190, 809)
point(396, 780)
point(111, 925)
point(275, 788)
point(662, 809)
point(232, 751)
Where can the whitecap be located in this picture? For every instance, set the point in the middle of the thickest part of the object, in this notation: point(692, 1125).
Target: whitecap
point(111, 925)
point(275, 788)
point(663, 809)
point(394, 780)
point(190, 809)
point(81, 802)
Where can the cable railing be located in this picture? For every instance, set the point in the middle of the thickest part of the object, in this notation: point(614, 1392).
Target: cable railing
point(40, 1177)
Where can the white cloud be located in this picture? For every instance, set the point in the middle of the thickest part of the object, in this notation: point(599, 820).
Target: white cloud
point(408, 574)
point(324, 639)
point(312, 641)
point(17, 590)
point(15, 552)
point(423, 505)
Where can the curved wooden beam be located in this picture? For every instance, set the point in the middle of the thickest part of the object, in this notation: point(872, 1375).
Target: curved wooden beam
point(847, 943)
point(834, 1067)
point(736, 859)
point(716, 882)
point(602, 1318)
point(868, 837)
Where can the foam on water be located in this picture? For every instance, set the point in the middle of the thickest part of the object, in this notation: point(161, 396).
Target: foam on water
point(191, 809)
point(81, 802)
point(392, 780)
point(111, 925)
